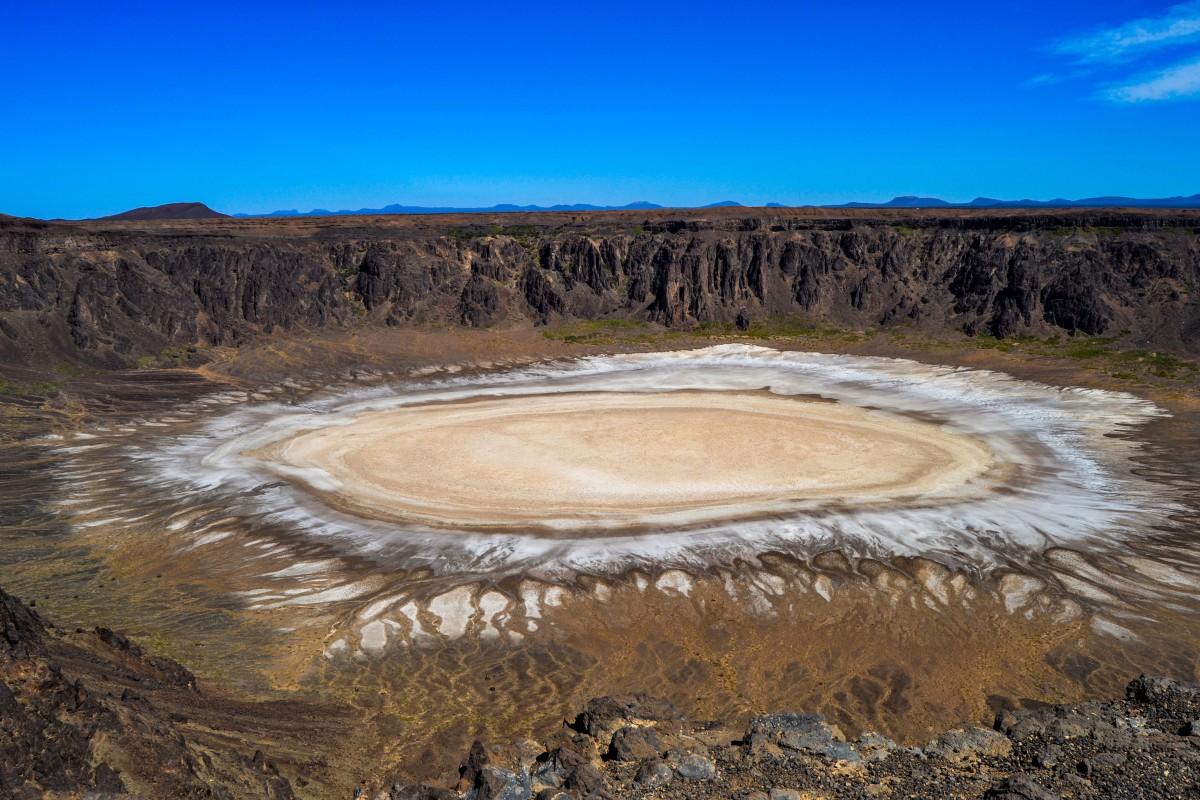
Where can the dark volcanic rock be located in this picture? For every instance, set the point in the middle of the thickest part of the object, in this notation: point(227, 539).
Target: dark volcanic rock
point(1018, 787)
point(635, 744)
point(1122, 749)
point(568, 768)
point(695, 767)
point(420, 792)
point(653, 774)
point(604, 714)
point(807, 733)
point(97, 715)
point(110, 294)
point(961, 746)
point(21, 630)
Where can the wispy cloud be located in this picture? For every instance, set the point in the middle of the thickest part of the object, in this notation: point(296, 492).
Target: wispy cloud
point(1172, 83)
point(1180, 24)
point(1151, 59)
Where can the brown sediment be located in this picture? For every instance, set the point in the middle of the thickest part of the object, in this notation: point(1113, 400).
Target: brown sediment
point(604, 460)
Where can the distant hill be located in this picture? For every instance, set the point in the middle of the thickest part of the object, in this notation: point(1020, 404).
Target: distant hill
point(912, 201)
point(170, 211)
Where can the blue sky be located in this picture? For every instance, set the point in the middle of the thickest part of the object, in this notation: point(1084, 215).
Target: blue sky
point(254, 107)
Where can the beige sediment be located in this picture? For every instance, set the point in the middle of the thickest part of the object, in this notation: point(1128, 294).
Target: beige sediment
point(609, 459)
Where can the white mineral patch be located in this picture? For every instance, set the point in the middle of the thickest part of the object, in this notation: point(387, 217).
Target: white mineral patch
point(1163, 573)
point(1107, 627)
point(531, 599)
point(491, 605)
point(210, 538)
point(411, 612)
point(455, 610)
point(335, 594)
point(553, 596)
point(1081, 588)
point(773, 584)
point(675, 580)
point(1016, 590)
point(303, 568)
point(373, 637)
point(377, 607)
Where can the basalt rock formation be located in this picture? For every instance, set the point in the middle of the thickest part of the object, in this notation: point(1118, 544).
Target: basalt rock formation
point(109, 292)
point(91, 713)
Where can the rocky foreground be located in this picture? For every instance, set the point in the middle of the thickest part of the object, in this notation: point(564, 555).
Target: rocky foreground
point(1146, 746)
point(93, 714)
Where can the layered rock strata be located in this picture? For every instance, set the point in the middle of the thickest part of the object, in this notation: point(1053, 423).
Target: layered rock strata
point(111, 292)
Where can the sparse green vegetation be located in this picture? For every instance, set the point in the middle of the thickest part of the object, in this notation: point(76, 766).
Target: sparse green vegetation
point(1098, 352)
point(28, 389)
point(1066, 230)
point(785, 327)
point(170, 356)
point(609, 331)
point(597, 331)
point(1103, 353)
point(69, 371)
point(517, 231)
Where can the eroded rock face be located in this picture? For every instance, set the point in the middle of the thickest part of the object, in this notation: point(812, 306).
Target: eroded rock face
point(110, 296)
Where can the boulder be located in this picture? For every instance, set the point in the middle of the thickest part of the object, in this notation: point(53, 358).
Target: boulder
point(604, 715)
point(653, 774)
point(959, 746)
point(801, 733)
point(634, 743)
point(695, 767)
point(569, 768)
point(1018, 787)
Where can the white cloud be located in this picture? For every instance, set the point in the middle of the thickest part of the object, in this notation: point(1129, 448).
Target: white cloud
point(1179, 24)
point(1172, 83)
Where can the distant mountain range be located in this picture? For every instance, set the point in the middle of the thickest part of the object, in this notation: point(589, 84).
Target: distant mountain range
point(905, 201)
point(912, 201)
point(201, 211)
point(502, 208)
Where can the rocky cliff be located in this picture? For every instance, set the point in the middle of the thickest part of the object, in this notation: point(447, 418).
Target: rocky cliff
point(109, 292)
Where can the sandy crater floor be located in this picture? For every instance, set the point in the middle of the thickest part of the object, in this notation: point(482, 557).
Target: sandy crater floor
point(619, 459)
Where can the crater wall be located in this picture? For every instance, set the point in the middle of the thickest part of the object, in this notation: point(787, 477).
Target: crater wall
point(111, 292)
